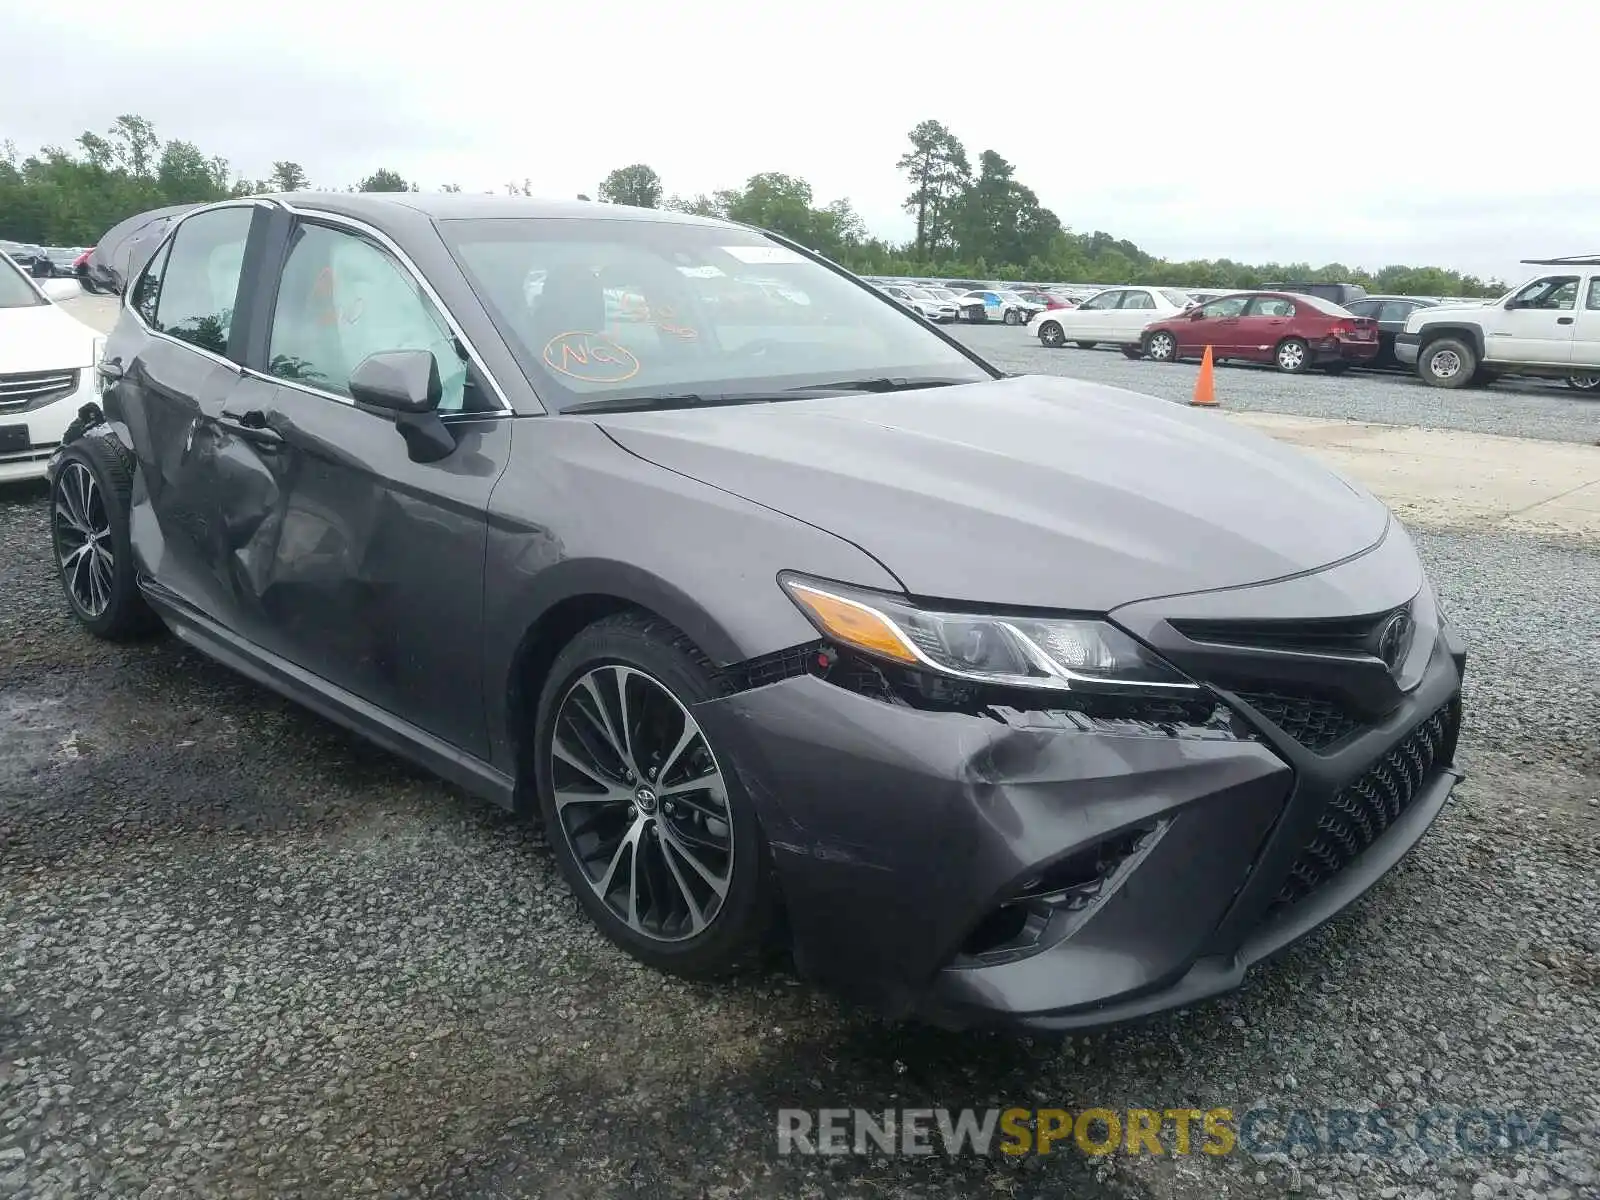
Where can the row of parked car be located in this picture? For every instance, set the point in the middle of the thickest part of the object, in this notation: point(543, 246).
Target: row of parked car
point(1548, 326)
point(46, 262)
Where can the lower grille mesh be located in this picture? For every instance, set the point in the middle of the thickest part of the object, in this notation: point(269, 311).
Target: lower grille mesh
point(1361, 811)
point(1315, 724)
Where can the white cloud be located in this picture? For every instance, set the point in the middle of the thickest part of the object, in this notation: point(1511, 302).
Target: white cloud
point(1426, 132)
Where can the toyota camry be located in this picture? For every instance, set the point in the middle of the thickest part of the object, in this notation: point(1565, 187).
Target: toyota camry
point(801, 628)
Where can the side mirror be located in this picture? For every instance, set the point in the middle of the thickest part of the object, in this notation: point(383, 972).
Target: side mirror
point(406, 383)
point(1196, 313)
point(60, 289)
point(402, 381)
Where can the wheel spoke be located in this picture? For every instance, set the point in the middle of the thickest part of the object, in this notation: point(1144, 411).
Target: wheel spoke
point(690, 733)
point(599, 716)
point(627, 846)
point(64, 513)
point(717, 883)
point(559, 750)
point(697, 916)
point(100, 580)
point(625, 734)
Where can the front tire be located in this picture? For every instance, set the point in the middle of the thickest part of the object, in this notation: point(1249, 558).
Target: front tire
point(1050, 335)
point(1584, 383)
point(1448, 363)
point(651, 829)
point(89, 501)
point(1012, 317)
point(1292, 356)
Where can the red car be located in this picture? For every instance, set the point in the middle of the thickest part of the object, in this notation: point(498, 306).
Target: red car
point(1293, 332)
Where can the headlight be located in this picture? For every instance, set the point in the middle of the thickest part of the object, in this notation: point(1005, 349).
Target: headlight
point(1010, 650)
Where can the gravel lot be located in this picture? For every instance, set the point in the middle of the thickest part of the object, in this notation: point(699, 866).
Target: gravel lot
point(1517, 408)
point(242, 953)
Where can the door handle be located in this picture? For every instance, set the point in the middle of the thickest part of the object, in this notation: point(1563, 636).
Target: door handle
point(251, 426)
point(1563, 320)
point(109, 368)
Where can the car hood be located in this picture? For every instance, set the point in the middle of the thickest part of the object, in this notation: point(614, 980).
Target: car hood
point(43, 338)
point(1031, 491)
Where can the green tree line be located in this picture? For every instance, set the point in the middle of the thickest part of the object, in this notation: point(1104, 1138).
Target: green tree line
point(972, 221)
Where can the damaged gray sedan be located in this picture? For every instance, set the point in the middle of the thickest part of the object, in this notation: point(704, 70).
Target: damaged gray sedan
point(990, 699)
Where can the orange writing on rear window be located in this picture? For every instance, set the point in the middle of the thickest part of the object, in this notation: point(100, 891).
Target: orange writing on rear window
point(590, 357)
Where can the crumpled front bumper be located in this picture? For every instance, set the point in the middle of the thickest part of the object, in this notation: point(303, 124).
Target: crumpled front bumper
point(896, 832)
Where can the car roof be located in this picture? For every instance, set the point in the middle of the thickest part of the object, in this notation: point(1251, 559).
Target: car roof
point(379, 208)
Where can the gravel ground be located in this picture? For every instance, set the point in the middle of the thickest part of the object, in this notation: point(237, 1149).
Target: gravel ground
point(242, 953)
point(1517, 408)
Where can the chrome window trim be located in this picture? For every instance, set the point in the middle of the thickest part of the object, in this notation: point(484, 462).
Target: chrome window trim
point(166, 240)
point(404, 259)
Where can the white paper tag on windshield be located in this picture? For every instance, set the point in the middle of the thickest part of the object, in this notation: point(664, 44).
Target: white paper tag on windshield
point(764, 254)
point(702, 272)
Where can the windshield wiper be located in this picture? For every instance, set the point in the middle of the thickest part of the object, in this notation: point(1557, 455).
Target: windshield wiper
point(880, 384)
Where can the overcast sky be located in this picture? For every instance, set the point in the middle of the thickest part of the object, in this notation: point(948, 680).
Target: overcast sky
point(1424, 131)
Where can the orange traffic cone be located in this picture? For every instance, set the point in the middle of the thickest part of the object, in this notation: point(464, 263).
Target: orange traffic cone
point(1205, 389)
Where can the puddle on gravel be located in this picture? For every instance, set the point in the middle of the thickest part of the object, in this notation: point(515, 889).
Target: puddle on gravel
point(38, 733)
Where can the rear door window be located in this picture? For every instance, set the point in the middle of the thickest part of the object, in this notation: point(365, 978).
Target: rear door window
point(1137, 299)
point(199, 285)
point(1101, 302)
point(1271, 306)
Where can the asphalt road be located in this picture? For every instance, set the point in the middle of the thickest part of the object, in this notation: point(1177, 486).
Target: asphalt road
point(243, 953)
point(1514, 407)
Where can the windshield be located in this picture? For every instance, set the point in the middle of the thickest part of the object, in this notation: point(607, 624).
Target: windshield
point(632, 308)
point(15, 290)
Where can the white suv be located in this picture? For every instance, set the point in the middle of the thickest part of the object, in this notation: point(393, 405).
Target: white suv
point(1550, 326)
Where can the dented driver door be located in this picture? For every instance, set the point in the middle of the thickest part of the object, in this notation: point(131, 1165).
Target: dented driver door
point(367, 568)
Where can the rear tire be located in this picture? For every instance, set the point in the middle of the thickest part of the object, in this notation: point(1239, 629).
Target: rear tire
point(1447, 362)
point(1584, 383)
point(1086, 345)
point(1161, 347)
point(1292, 356)
point(1050, 335)
point(665, 675)
point(89, 501)
point(1133, 352)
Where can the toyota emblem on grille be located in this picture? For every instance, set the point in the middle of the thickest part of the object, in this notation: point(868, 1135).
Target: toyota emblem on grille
point(1394, 638)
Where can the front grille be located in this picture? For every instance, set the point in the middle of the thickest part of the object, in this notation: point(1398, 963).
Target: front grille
point(1315, 723)
point(31, 389)
point(1361, 812)
point(1328, 635)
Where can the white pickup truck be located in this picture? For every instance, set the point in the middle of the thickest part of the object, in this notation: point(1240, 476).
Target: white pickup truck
point(1550, 326)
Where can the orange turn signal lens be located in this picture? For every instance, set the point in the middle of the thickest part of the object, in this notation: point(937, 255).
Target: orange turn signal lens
point(852, 623)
